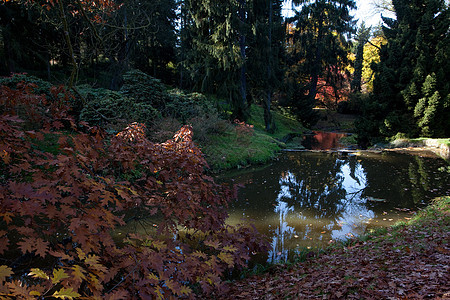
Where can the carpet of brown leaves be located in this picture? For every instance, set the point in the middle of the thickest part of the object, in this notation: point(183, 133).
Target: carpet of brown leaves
point(407, 262)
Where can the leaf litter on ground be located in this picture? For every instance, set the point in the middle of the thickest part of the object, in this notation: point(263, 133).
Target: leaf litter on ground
point(409, 261)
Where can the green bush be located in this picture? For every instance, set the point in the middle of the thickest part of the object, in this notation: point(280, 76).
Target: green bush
point(144, 88)
point(105, 107)
point(42, 87)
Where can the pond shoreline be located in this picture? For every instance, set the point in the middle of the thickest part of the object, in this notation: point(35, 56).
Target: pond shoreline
point(408, 260)
point(421, 147)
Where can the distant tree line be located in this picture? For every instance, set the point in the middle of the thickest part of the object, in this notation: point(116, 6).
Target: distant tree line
point(237, 50)
point(246, 51)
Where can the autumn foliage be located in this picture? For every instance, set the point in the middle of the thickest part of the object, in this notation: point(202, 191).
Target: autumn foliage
point(66, 188)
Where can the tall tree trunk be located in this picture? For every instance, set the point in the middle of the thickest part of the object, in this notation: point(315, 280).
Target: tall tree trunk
point(243, 86)
point(7, 41)
point(317, 62)
point(268, 119)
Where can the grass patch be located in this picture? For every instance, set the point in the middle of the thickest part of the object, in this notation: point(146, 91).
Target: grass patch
point(233, 150)
point(285, 122)
point(422, 141)
point(241, 146)
point(418, 142)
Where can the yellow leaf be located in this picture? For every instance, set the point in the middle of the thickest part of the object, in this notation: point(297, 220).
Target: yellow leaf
point(213, 244)
point(226, 258)
point(92, 260)
point(230, 248)
point(158, 245)
point(159, 294)
point(38, 273)
point(64, 293)
point(200, 254)
point(35, 293)
point(78, 273)
point(133, 192)
point(185, 290)
point(93, 282)
point(152, 276)
point(5, 271)
point(58, 275)
point(81, 254)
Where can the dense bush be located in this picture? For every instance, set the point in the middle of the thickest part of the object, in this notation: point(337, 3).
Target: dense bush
point(39, 86)
point(144, 88)
point(59, 208)
point(104, 107)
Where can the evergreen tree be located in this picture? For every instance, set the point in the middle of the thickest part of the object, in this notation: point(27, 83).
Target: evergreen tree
point(214, 35)
point(362, 38)
point(411, 85)
point(265, 52)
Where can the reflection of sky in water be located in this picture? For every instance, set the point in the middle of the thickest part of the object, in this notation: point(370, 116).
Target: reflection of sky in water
point(307, 199)
point(354, 213)
point(283, 231)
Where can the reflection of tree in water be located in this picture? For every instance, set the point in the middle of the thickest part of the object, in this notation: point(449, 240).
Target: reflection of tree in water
point(402, 179)
point(310, 198)
point(283, 231)
point(316, 185)
point(313, 186)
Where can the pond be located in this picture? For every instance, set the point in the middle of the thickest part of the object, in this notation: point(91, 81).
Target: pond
point(310, 199)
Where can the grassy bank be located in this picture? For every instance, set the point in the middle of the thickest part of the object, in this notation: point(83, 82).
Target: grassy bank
point(409, 260)
point(243, 145)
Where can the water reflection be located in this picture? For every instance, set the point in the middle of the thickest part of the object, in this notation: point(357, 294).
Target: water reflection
point(309, 199)
point(321, 140)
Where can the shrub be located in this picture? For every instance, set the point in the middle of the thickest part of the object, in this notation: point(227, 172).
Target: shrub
point(354, 104)
point(105, 107)
point(144, 88)
point(58, 211)
point(39, 86)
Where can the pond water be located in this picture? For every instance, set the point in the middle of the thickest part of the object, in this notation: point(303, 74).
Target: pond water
point(309, 199)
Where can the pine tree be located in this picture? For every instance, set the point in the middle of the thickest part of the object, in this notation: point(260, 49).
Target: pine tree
point(214, 50)
point(411, 83)
point(362, 38)
point(265, 52)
